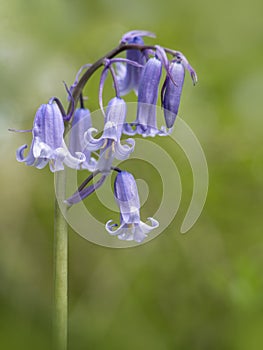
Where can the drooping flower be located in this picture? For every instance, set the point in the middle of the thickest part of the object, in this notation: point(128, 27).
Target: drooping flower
point(48, 145)
point(116, 82)
point(173, 85)
point(109, 143)
point(128, 75)
point(171, 93)
point(145, 123)
point(131, 227)
point(80, 124)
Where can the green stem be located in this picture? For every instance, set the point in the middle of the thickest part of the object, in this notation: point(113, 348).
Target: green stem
point(60, 267)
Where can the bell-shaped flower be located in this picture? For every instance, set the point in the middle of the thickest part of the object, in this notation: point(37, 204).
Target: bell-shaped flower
point(109, 143)
point(48, 145)
point(131, 227)
point(173, 85)
point(171, 92)
point(128, 76)
point(80, 124)
point(145, 123)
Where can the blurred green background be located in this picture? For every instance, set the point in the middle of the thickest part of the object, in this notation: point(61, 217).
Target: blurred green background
point(202, 290)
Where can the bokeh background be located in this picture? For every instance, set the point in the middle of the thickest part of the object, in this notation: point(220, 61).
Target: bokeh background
point(200, 290)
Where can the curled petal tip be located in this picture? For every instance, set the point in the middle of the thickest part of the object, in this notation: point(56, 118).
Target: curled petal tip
point(20, 153)
point(122, 152)
point(109, 227)
point(154, 223)
point(136, 33)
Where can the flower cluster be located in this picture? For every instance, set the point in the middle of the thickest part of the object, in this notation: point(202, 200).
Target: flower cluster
point(140, 71)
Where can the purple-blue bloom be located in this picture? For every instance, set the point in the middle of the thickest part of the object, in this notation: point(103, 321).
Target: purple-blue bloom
point(48, 145)
point(110, 142)
point(145, 123)
point(128, 76)
point(80, 124)
point(131, 227)
point(171, 93)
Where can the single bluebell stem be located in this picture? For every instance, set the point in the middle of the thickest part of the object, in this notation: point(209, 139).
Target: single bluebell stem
point(60, 326)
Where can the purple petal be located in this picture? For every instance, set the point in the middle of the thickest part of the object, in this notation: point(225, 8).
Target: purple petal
point(48, 125)
point(122, 152)
point(172, 93)
point(105, 159)
point(127, 37)
point(20, 153)
point(92, 143)
point(81, 123)
point(116, 114)
point(40, 163)
point(110, 131)
point(151, 75)
point(73, 162)
point(146, 116)
point(41, 149)
point(109, 227)
point(131, 79)
point(147, 97)
point(127, 197)
point(129, 129)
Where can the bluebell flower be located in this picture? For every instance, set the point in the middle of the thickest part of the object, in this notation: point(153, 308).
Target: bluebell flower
point(117, 84)
point(173, 85)
point(145, 123)
point(80, 124)
point(129, 75)
point(131, 227)
point(109, 143)
point(171, 93)
point(48, 145)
